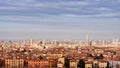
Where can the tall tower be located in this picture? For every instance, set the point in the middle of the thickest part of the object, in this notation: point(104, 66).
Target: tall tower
point(116, 41)
point(31, 42)
point(113, 41)
point(86, 40)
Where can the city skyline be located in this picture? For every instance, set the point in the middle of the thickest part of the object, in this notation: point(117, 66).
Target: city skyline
point(59, 19)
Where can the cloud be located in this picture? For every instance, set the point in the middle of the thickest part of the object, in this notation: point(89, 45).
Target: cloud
point(73, 3)
point(80, 8)
point(61, 18)
point(40, 11)
point(12, 8)
point(108, 15)
point(101, 8)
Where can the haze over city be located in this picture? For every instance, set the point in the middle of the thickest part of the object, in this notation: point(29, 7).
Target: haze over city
point(59, 19)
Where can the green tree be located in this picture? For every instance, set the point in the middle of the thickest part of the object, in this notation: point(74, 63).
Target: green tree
point(101, 56)
point(67, 64)
point(81, 64)
point(108, 65)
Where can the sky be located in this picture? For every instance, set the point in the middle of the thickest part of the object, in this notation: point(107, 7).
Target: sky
point(59, 19)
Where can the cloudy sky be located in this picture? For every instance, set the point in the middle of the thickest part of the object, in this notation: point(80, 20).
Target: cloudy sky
point(59, 19)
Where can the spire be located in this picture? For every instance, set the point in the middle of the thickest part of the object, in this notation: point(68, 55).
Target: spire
point(31, 42)
point(86, 39)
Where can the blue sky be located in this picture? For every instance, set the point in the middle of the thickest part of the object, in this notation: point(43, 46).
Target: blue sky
point(59, 19)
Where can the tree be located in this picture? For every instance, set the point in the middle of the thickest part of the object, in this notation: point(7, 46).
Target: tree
point(40, 57)
point(108, 64)
point(67, 64)
point(101, 56)
point(81, 64)
point(90, 55)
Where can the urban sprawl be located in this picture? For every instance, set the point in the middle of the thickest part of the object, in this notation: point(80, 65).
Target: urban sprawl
point(60, 54)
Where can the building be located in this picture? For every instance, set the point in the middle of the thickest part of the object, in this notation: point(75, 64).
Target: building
point(73, 63)
point(14, 62)
point(38, 63)
point(102, 64)
point(88, 64)
point(60, 65)
point(52, 63)
point(62, 60)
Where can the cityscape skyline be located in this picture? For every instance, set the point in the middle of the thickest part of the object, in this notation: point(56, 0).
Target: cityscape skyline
point(60, 20)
